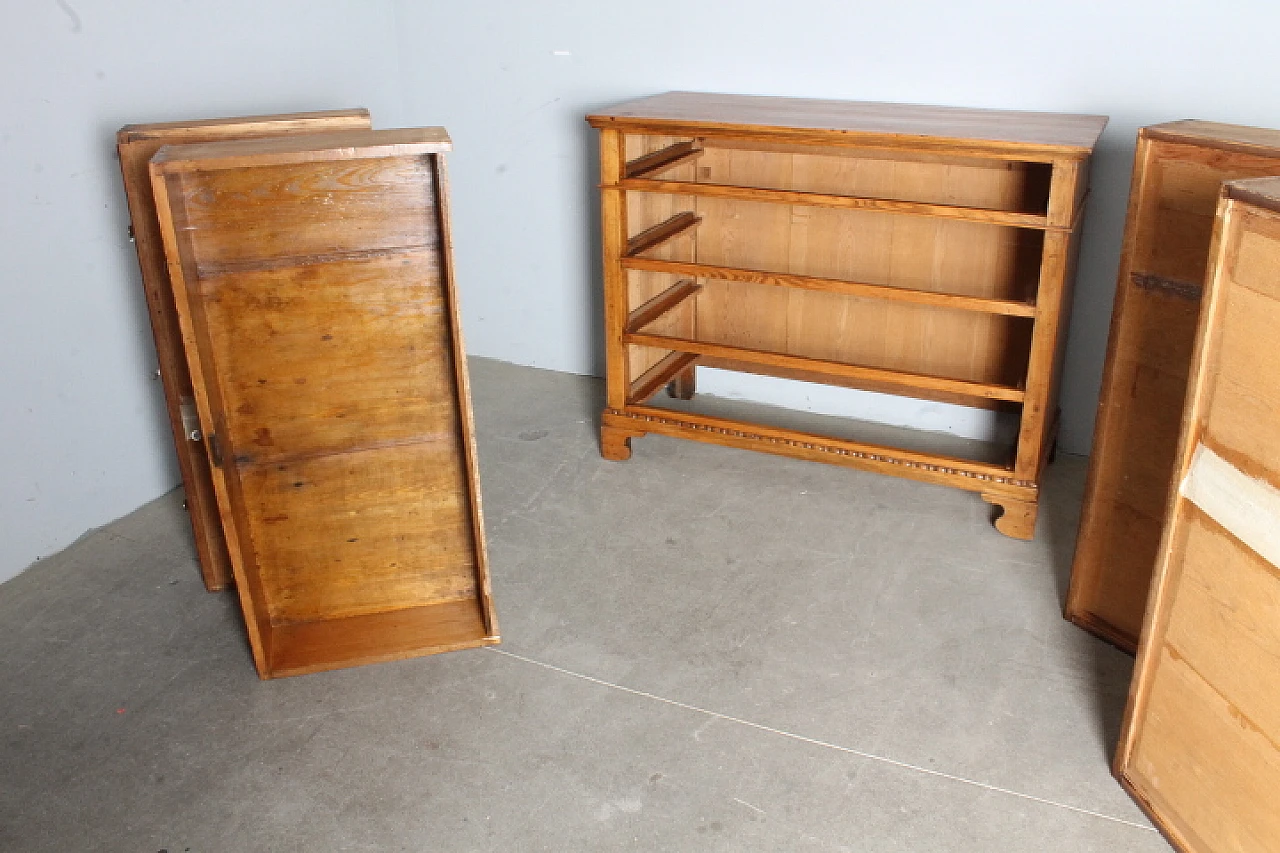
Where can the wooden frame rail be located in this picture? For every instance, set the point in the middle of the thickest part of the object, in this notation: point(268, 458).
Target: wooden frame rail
point(660, 161)
point(821, 367)
point(1005, 307)
point(661, 304)
point(986, 216)
point(858, 384)
point(658, 376)
point(929, 467)
point(669, 229)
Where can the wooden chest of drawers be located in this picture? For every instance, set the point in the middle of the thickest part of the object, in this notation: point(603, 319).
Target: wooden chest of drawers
point(925, 252)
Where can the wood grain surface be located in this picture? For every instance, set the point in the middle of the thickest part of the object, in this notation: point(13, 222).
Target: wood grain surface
point(1178, 173)
point(317, 305)
point(1200, 748)
point(136, 144)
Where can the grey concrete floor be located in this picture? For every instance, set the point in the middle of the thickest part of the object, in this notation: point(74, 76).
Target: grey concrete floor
point(704, 649)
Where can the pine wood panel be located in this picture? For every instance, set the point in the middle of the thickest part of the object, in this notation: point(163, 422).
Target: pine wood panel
point(752, 236)
point(365, 531)
point(916, 253)
point(136, 144)
point(1178, 171)
point(982, 304)
point(315, 293)
point(317, 357)
point(1008, 186)
point(343, 211)
point(1200, 748)
point(1219, 755)
point(917, 339)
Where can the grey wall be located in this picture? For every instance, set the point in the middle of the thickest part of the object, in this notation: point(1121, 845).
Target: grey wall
point(84, 435)
point(513, 81)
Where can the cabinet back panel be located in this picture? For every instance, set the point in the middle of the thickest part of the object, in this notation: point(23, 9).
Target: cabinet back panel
point(867, 332)
point(1007, 186)
point(916, 252)
point(336, 379)
point(1209, 760)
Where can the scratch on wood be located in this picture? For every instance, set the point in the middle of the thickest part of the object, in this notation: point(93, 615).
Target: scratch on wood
point(1170, 286)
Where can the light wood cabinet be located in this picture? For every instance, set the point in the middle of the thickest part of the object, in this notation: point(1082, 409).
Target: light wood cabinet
point(1200, 749)
point(1178, 172)
point(926, 252)
point(136, 144)
point(312, 277)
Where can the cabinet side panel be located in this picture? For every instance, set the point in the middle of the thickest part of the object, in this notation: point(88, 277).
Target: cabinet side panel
point(322, 314)
point(137, 145)
point(1168, 232)
point(202, 508)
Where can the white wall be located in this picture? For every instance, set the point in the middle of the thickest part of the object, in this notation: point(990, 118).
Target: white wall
point(83, 428)
point(513, 81)
point(85, 438)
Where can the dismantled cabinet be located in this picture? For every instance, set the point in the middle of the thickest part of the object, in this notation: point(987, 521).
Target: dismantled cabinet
point(313, 283)
point(136, 144)
point(925, 252)
point(1178, 173)
point(1200, 748)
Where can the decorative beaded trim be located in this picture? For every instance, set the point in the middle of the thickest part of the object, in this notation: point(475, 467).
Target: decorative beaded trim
point(826, 448)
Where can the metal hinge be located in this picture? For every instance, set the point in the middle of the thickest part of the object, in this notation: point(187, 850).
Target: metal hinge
point(190, 419)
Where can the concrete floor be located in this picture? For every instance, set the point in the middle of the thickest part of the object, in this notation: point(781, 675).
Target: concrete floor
point(704, 649)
